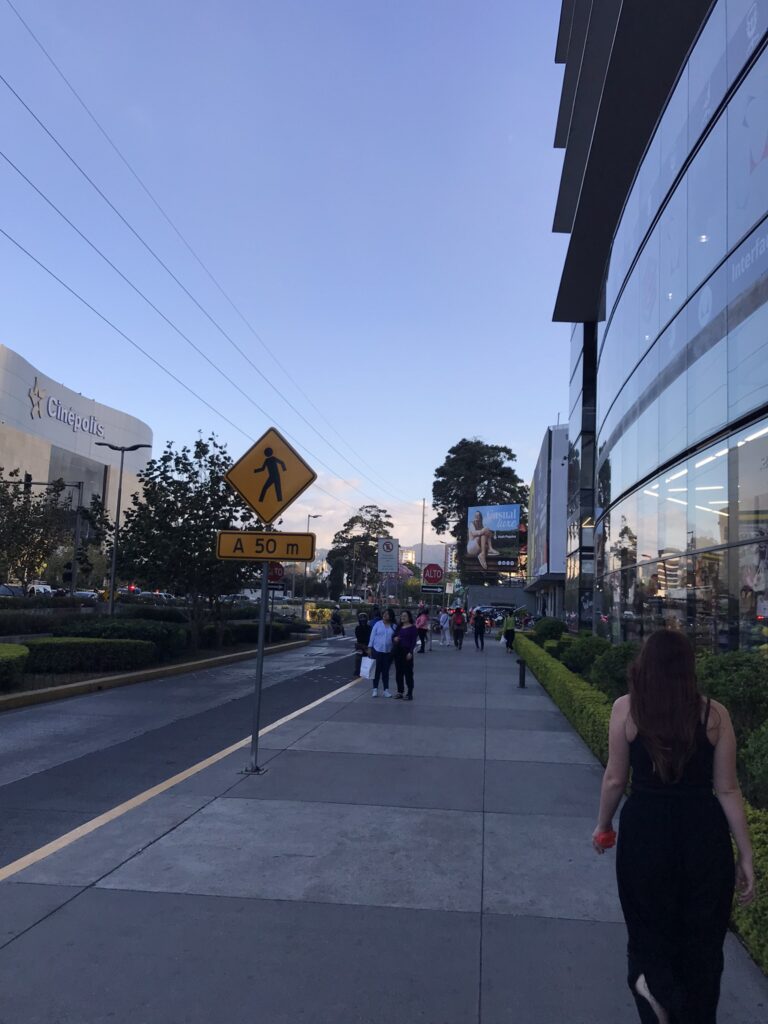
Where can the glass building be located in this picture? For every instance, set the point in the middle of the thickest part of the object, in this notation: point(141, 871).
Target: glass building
point(674, 290)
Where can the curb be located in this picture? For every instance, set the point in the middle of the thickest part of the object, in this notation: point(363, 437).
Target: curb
point(27, 698)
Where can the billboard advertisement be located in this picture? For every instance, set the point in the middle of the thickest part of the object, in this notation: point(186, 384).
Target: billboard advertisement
point(493, 541)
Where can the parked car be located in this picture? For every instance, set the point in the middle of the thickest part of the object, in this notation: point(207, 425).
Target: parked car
point(11, 590)
point(88, 595)
point(39, 590)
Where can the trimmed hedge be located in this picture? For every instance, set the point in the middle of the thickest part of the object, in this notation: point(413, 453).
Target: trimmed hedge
point(88, 654)
point(13, 658)
point(153, 614)
point(18, 623)
point(609, 671)
point(754, 765)
point(168, 639)
point(24, 603)
point(582, 653)
point(548, 629)
point(738, 679)
point(589, 711)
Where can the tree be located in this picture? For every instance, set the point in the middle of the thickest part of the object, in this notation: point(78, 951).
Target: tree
point(32, 526)
point(169, 537)
point(355, 544)
point(474, 473)
point(336, 579)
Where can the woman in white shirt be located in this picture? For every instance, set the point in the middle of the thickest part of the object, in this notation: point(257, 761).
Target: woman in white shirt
point(381, 650)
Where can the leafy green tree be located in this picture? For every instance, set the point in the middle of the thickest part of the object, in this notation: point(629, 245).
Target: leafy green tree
point(355, 544)
point(474, 473)
point(169, 537)
point(33, 524)
point(336, 579)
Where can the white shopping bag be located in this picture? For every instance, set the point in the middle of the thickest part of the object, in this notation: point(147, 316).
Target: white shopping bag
point(367, 668)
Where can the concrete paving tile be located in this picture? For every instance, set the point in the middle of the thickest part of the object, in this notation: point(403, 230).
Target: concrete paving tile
point(536, 745)
point(286, 735)
point(175, 959)
point(543, 866)
point(25, 905)
point(26, 828)
point(450, 697)
point(540, 971)
point(438, 782)
point(87, 859)
point(387, 711)
point(319, 852)
point(368, 738)
point(515, 787)
point(744, 993)
point(550, 720)
point(531, 700)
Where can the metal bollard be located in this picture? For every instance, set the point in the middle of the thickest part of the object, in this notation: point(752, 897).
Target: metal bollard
point(521, 676)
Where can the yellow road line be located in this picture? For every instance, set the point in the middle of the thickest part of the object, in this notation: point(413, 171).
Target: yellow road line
point(141, 798)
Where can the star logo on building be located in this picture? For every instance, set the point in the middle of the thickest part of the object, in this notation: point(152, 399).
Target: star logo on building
point(36, 396)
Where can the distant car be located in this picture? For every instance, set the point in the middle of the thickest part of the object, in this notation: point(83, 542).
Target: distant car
point(39, 590)
point(87, 595)
point(11, 590)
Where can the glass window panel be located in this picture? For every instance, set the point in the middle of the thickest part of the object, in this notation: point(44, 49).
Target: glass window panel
point(649, 187)
point(752, 474)
point(629, 454)
point(648, 293)
point(707, 206)
point(748, 324)
point(707, 495)
point(673, 397)
point(648, 413)
point(753, 594)
point(706, 74)
point(651, 602)
point(601, 532)
point(587, 462)
point(673, 259)
point(604, 469)
point(673, 510)
point(747, 21)
point(673, 592)
point(626, 333)
point(748, 152)
point(630, 619)
point(648, 523)
point(574, 417)
point(709, 601)
point(673, 132)
point(707, 359)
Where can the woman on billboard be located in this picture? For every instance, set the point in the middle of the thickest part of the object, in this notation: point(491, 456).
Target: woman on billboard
point(479, 540)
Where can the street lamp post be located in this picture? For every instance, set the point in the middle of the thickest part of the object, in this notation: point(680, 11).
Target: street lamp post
point(319, 515)
point(122, 449)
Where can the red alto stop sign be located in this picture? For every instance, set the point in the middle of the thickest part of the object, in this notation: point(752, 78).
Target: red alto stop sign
point(433, 573)
point(276, 572)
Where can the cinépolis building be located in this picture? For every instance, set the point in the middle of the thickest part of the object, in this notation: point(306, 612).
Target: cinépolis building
point(49, 432)
point(664, 192)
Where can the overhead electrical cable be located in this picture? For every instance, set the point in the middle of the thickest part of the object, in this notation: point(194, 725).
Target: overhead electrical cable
point(179, 283)
point(143, 351)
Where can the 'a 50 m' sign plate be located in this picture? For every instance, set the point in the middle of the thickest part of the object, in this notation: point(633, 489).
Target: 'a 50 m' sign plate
point(258, 546)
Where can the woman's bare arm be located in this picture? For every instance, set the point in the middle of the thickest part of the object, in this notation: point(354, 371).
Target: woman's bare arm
point(728, 792)
point(616, 771)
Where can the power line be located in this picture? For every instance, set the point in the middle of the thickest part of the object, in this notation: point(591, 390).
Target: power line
point(143, 351)
point(167, 269)
point(170, 323)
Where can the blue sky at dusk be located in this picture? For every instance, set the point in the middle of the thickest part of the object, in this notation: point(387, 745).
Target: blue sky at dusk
point(371, 181)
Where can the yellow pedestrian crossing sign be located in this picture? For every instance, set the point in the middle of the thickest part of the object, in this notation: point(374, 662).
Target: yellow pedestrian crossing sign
point(271, 475)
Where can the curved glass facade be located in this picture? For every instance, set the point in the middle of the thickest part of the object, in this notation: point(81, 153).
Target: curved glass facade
point(683, 355)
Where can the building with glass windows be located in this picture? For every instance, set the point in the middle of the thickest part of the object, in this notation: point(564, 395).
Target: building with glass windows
point(665, 196)
point(49, 432)
point(546, 560)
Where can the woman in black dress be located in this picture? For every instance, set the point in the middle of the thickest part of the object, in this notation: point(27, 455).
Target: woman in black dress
point(674, 861)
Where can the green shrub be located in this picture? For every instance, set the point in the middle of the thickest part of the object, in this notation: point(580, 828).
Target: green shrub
point(13, 658)
point(548, 629)
point(169, 639)
point(587, 709)
point(552, 647)
point(738, 679)
point(215, 634)
point(752, 922)
point(151, 614)
point(21, 622)
point(609, 670)
point(580, 655)
point(754, 764)
point(27, 603)
point(88, 654)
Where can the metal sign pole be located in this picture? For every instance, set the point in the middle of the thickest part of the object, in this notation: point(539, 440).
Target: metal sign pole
point(253, 763)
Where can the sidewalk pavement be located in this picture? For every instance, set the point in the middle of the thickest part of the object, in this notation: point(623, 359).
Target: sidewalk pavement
point(425, 861)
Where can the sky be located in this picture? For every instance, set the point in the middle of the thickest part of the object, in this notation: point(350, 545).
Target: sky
point(370, 182)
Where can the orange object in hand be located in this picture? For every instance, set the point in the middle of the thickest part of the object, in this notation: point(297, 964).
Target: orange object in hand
point(606, 839)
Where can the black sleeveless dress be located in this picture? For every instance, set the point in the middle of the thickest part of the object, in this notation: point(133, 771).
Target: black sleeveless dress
point(675, 869)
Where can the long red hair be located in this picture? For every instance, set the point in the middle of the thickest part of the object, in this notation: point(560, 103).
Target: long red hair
point(665, 701)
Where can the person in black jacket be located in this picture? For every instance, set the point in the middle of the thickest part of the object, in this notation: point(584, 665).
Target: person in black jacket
point(362, 637)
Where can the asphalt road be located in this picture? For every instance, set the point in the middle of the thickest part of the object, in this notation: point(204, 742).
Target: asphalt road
point(62, 764)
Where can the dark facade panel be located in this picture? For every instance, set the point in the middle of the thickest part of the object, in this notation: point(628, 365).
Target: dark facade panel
point(564, 32)
point(597, 52)
point(579, 28)
point(652, 40)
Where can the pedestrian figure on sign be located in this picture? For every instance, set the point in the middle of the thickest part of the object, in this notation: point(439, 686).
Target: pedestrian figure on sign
point(271, 463)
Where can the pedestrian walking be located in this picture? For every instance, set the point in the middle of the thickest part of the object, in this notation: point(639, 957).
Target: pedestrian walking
point(459, 628)
point(381, 648)
point(674, 860)
point(362, 639)
point(375, 615)
point(445, 628)
point(478, 625)
point(422, 625)
point(508, 631)
point(405, 640)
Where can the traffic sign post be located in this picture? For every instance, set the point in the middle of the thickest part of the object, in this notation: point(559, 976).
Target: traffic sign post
point(269, 477)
